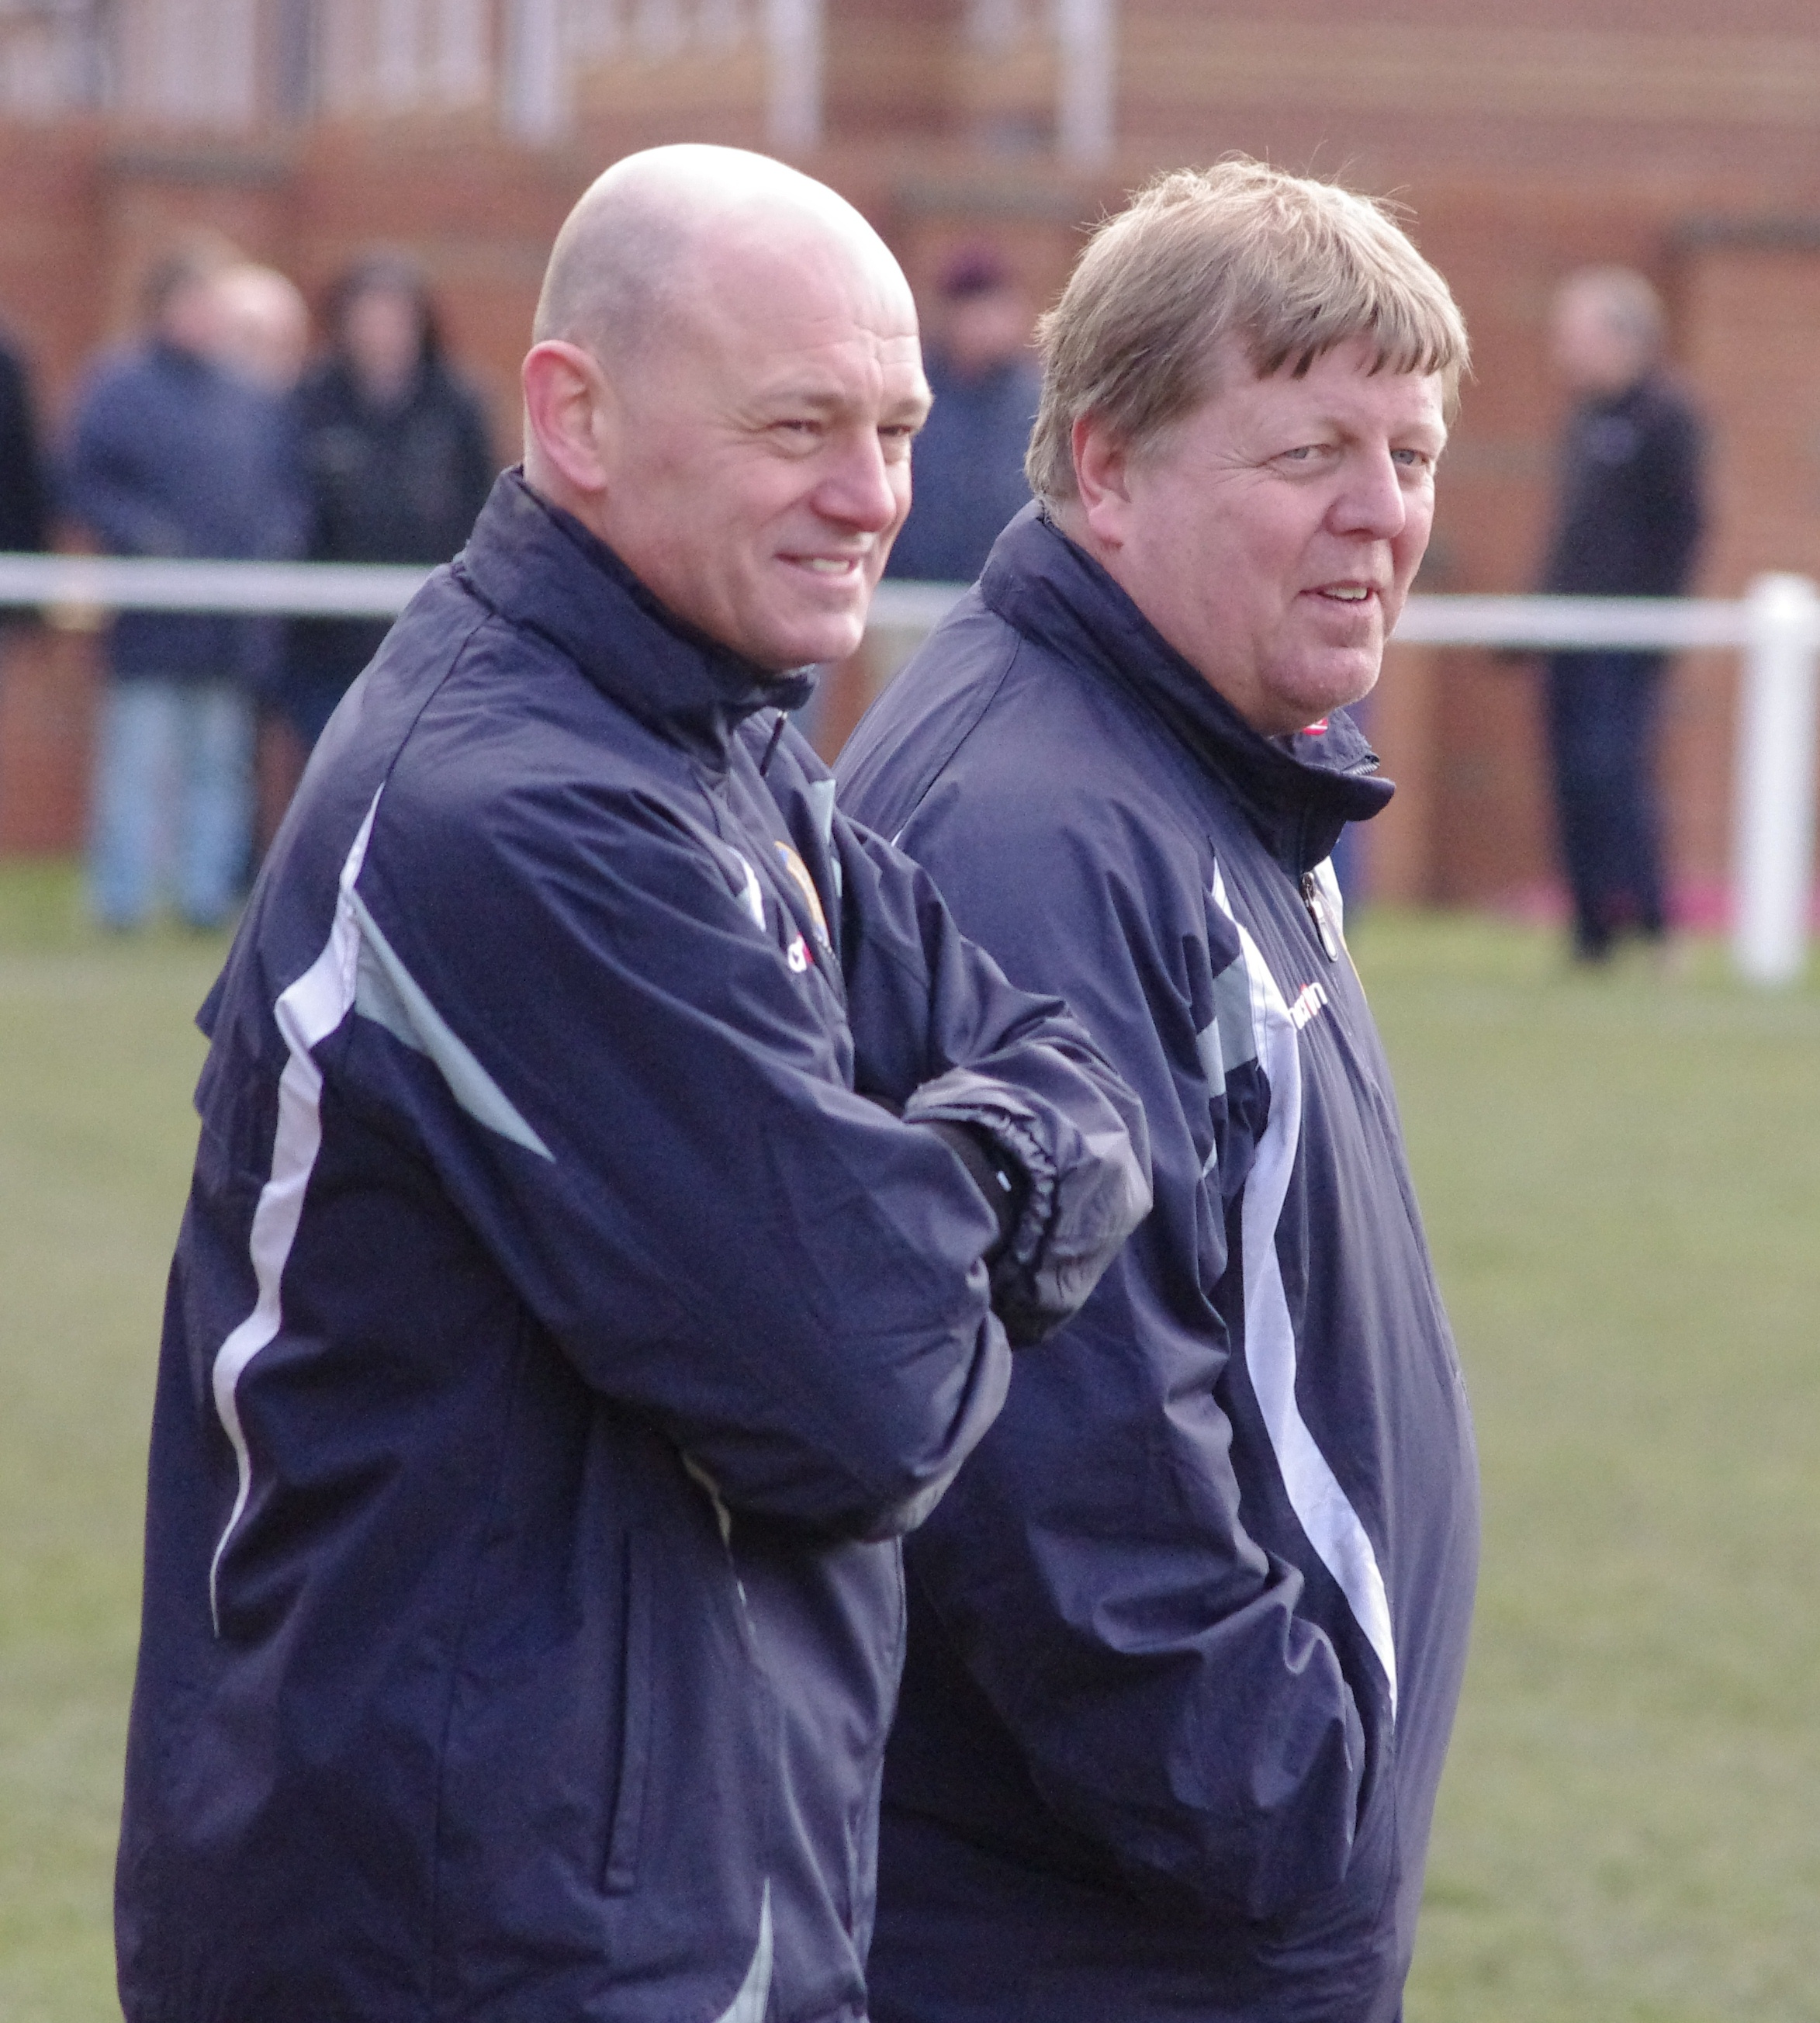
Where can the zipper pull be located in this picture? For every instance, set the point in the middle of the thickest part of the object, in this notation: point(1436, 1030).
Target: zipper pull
point(1318, 913)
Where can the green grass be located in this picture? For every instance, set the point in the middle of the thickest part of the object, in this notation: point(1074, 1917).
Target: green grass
point(1622, 1183)
point(98, 1056)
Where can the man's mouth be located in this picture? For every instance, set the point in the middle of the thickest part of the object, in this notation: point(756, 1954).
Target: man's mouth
point(1347, 593)
point(829, 565)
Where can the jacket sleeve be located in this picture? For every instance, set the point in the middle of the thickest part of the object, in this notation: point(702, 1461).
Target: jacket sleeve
point(938, 1032)
point(721, 1234)
point(1090, 1568)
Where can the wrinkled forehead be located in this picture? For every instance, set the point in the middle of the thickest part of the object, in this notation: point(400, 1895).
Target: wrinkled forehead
point(806, 313)
point(769, 267)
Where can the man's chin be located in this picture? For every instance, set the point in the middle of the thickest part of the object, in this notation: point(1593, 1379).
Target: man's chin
point(791, 647)
point(1295, 706)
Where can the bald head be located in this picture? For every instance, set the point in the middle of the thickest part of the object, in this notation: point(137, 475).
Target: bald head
point(724, 386)
point(1606, 331)
point(652, 233)
point(264, 323)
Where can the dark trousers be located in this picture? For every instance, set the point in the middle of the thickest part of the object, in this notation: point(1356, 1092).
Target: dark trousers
point(1604, 709)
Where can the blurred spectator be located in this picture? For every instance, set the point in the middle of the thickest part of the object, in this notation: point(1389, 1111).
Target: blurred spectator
point(396, 460)
point(171, 454)
point(1627, 519)
point(968, 465)
point(24, 507)
point(264, 330)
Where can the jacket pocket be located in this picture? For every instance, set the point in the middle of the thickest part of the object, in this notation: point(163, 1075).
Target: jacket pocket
point(621, 1871)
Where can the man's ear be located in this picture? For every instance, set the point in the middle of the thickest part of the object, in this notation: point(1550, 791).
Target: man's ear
point(568, 410)
point(1102, 480)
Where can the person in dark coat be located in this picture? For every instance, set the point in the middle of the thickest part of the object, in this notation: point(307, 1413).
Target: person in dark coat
point(174, 454)
point(1628, 523)
point(1187, 1635)
point(25, 501)
point(396, 459)
point(620, 1188)
point(969, 457)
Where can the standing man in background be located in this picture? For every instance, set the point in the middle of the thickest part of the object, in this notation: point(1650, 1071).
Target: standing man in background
point(969, 457)
point(1628, 521)
point(172, 453)
point(1187, 1635)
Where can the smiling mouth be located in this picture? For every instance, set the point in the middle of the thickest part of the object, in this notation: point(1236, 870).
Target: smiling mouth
point(1347, 593)
point(834, 566)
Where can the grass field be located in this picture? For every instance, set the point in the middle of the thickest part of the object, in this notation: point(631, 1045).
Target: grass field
point(1622, 1181)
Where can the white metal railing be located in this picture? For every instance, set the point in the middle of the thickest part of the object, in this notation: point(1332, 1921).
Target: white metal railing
point(282, 590)
point(1776, 628)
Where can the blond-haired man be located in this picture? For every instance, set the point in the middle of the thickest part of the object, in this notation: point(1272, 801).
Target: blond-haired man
point(1186, 1639)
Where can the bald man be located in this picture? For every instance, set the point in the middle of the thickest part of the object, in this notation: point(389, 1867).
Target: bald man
point(619, 1190)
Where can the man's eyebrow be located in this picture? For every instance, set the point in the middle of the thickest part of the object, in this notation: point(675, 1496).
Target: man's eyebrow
point(795, 396)
point(803, 393)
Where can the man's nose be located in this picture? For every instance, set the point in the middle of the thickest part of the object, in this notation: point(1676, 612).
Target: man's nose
point(860, 487)
point(1374, 499)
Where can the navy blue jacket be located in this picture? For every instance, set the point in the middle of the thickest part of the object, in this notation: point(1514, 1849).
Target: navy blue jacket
point(1629, 512)
point(169, 455)
point(1187, 1633)
point(562, 1328)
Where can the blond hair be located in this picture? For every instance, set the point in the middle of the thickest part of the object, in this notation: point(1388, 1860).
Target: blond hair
point(1283, 267)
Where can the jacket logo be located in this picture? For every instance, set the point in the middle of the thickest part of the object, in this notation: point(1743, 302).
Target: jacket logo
point(1312, 999)
point(797, 956)
point(799, 877)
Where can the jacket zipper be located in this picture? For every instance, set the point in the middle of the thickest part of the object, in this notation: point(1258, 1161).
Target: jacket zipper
point(1318, 913)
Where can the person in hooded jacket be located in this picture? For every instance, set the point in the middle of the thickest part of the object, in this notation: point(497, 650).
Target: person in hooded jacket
point(396, 463)
point(619, 1189)
point(1187, 1633)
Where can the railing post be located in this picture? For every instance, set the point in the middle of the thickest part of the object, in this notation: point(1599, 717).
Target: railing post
point(1773, 865)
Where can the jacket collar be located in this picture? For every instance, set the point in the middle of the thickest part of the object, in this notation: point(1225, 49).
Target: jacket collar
point(540, 569)
point(1296, 793)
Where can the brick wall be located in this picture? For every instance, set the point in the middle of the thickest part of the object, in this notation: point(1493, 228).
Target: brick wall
point(1525, 141)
